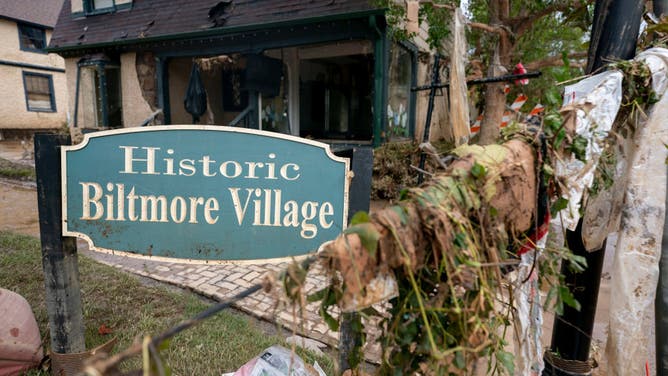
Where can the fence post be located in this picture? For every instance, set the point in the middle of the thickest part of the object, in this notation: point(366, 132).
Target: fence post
point(59, 254)
point(359, 200)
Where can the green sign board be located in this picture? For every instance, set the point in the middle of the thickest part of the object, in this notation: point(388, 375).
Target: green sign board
point(203, 193)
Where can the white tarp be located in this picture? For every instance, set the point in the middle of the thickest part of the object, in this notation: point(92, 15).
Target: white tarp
point(641, 179)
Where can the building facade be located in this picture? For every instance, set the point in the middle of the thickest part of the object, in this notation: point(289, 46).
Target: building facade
point(321, 69)
point(33, 87)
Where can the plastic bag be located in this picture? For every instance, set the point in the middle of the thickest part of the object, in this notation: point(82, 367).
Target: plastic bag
point(278, 361)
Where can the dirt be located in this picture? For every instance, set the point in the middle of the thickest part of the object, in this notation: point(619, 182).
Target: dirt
point(18, 209)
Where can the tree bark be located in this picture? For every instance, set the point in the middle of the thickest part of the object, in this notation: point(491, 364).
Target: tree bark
point(495, 99)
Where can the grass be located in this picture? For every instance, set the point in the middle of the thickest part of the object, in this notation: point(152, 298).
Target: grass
point(13, 170)
point(132, 309)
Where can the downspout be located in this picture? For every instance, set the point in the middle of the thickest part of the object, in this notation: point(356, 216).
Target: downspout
point(76, 97)
point(379, 82)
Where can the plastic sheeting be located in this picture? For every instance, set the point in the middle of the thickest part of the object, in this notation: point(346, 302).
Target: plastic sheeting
point(635, 270)
point(634, 205)
point(528, 315)
point(595, 101)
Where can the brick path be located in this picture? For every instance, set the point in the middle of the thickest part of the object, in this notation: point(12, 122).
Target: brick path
point(222, 281)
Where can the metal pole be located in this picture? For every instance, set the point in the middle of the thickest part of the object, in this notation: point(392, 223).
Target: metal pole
point(59, 254)
point(614, 32)
point(661, 304)
point(435, 81)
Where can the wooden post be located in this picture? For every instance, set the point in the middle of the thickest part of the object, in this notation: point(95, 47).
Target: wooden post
point(360, 197)
point(59, 254)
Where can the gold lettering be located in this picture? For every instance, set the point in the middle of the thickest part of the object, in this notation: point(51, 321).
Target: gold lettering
point(95, 200)
point(326, 210)
point(210, 205)
point(153, 201)
point(129, 160)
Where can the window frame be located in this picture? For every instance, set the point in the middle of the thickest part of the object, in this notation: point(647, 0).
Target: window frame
point(52, 93)
point(412, 51)
point(89, 7)
point(22, 46)
point(100, 68)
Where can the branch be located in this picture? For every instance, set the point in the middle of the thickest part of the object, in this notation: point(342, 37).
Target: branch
point(555, 61)
point(523, 23)
point(497, 29)
point(437, 5)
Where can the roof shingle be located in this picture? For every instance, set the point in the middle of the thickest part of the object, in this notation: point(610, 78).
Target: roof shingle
point(156, 18)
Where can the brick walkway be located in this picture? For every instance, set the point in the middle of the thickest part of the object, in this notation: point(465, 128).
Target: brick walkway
point(222, 281)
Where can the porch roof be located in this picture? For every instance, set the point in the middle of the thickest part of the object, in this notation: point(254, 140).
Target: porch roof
point(152, 20)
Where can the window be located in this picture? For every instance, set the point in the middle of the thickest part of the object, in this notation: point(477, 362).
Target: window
point(39, 92)
point(104, 6)
point(32, 38)
point(400, 106)
point(100, 93)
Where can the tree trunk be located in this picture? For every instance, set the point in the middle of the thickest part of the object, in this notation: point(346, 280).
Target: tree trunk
point(495, 99)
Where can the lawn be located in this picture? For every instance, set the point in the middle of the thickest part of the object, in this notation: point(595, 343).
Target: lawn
point(132, 308)
point(13, 170)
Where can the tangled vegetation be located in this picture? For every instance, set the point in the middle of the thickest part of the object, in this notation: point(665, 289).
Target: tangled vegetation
point(448, 246)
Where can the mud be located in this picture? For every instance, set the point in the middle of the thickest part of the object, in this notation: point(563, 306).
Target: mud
point(18, 209)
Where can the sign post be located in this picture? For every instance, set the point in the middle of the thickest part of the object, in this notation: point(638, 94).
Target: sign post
point(59, 254)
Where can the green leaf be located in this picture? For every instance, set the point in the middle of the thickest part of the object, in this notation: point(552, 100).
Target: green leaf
point(331, 322)
point(472, 263)
point(368, 235)
point(576, 263)
point(401, 212)
point(568, 298)
point(318, 295)
point(460, 240)
point(460, 361)
point(359, 217)
point(478, 171)
point(507, 361)
point(558, 206)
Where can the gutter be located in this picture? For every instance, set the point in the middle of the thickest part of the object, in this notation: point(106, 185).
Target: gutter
point(31, 66)
point(218, 31)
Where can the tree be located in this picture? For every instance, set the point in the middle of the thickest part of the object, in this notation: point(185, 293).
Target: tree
point(546, 35)
point(543, 35)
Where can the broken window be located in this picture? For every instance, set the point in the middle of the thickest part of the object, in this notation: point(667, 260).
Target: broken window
point(335, 98)
point(100, 92)
point(400, 101)
point(39, 92)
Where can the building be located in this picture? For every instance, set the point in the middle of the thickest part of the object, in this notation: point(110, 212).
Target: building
point(322, 69)
point(33, 90)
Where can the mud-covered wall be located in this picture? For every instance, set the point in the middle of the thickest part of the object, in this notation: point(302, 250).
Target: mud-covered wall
point(136, 109)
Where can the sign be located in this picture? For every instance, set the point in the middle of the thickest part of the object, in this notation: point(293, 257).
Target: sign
point(203, 192)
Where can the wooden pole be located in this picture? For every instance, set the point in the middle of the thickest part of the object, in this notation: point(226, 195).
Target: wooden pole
point(59, 254)
point(361, 161)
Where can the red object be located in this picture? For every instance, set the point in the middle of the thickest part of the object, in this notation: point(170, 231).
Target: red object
point(20, 342)
point(530, 244)
point(103, 330)
point(519, 69)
